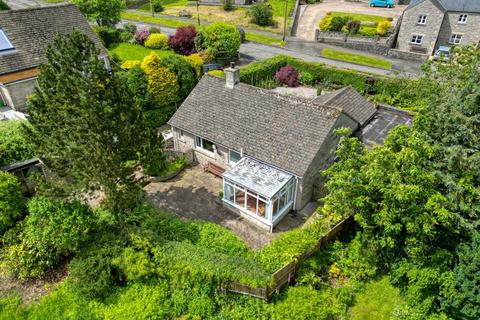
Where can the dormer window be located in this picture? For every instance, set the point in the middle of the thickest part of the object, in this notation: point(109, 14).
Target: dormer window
point(422, 19)
point(5, 44)
point(463, 18)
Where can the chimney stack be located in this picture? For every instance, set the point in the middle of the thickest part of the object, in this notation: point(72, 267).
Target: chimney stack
point(232, 76)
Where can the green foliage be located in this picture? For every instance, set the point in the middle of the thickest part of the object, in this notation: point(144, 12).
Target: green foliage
point(411, 94)
point(104, 13)
point(14, 146)
point(185, 74)
point(87, 127)
point(216, 238)
point(11, 201)
point(3, 6)
point(221, 41)
point(156, 41)
point(306, 78)
point(162, 83)
point(326, 23)
point(164, 168)
point(108, 35)
point(228, 5)
point(157, 6)
point(338, 23)
point(261, 14)
point(196, 61)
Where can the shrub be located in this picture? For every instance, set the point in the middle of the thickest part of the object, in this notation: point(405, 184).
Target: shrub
point(338, 23)
point(228, 5)
point(156, 41)
point(185, 74)
point(306, 78)
point(11, 201)
point(326, 23)
point(383, 27)
point(157, 6)
point(130, 27)
point(3, 6)
point(287, 75)
point(52, 230)
point(220, 41)
point(161, 82)
point(13, 143)
point(217, 73)
point(154, 30)
point(196, 61)
point(126, 36)
point(158, 117)
point(141, 35)
point(129, 64)
point(353, 27)
point(183, 41)
point(261, 14)
point(108, 35)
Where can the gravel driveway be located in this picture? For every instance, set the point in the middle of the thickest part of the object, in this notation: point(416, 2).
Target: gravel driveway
point(310, 15)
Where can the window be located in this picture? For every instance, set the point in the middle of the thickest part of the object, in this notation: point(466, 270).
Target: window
point(416, 39)
point(245, 199)
point(422, 19)
point(455, 38)
point(2, 101)
point(234, 157)
point(181, 134)
point(240, 197)
point(283, 199)
point(463, 18)
point(5, 44)
point(204, 144)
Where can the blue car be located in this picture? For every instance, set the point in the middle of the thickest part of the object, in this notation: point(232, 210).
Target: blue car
point(382, 3)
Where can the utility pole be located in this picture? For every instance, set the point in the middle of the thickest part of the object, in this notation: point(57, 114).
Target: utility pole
point(285, 21)
point(198, 13)
point(151, 8)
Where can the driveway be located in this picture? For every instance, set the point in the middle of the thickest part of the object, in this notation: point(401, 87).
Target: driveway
point(192, 195)
point(310, 15)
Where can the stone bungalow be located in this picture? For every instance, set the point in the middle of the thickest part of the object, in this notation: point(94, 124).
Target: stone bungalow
point(24, 36)
point(429, 24)
point(269, 148)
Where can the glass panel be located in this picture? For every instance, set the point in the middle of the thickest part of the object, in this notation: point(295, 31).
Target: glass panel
point(234, 156)
point(275, 207)
point(228, 193)
point(283, 201)
point(262, 208)
point(251, 203)
point(240, 197)
point(207, 145)
point(4, 42)
point(198, 142)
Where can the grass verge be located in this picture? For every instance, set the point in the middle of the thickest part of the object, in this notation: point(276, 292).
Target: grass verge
point(356, 58)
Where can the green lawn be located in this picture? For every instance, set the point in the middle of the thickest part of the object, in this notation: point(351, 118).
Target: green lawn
point(166, 4)
point(254, 37)
point(358, 16)
point(377, 302)
point(356, 58)
point(128, 51)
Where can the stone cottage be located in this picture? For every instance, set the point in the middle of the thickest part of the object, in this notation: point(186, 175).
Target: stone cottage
point(24, 36)
point(429, 24)
point(269, 148)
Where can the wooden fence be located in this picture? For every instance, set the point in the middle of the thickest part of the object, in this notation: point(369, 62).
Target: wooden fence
point(285, 274)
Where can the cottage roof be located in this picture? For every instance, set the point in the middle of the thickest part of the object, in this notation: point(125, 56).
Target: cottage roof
point(31, 30)
point(284, 132)
point(452, 5)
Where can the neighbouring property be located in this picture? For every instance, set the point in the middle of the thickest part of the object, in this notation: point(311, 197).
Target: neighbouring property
point(430, 24)
point(269, 148)
point(24, 36)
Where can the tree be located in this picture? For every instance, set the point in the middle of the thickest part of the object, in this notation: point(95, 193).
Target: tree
point(219, 40)
point(11, 201)
point(261, 14)
point(85, 124)
point(13, 144)
point(103, 12)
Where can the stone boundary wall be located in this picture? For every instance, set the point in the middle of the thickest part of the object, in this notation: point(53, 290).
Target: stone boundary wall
point(378, 45)
point(406, 55)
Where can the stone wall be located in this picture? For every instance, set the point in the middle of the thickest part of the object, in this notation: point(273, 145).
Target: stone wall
point(429, 31)
point(16, 93)
point(378, 45)
point(406, 55)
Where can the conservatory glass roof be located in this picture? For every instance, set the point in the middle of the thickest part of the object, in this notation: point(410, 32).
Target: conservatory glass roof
point(257, 177)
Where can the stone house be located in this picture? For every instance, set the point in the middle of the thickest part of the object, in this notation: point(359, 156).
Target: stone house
point(24, 36)
point(429, 24)
point(268, 148)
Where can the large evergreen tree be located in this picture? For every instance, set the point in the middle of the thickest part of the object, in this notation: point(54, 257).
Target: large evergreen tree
point(85, 124)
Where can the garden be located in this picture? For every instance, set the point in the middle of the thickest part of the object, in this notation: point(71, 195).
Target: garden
point(353, 24)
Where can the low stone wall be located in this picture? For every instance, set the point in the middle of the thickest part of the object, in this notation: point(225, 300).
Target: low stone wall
point(405, 55)
point(378, 45)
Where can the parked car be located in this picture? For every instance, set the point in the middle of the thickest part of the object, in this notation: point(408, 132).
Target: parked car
point(382, 3)
point(442, 52)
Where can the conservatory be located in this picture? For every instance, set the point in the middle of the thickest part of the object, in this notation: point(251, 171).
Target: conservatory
point(259, 191)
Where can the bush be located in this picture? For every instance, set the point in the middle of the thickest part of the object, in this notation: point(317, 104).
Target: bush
point(287, 75)
point(221, 41)
point(108, 35)
point(228, 5)
point(261, 14)
point(353, 27)
point(52, 230)
point(326, 23)
point(157, 6)
point(306, 78)
point(383, 27)
point(158, 117)
point(3, 6)
point(130, 27)
point(154, 30)
point(196, 62)
point(186, 77)
point(126, 36)
point(129, 64)
point(141, 35)
point(13, 144)
point(161, 82)
point(338, 23)
point(156, 41)
point(183, 41)
point(217, 73)
point(11, 201)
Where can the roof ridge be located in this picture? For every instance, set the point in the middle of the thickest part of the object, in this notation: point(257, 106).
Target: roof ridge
point(57, 5)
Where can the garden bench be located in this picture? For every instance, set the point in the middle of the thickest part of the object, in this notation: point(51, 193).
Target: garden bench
point(214, 168)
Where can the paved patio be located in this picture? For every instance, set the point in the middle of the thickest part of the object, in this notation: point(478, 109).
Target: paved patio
point(192, 195)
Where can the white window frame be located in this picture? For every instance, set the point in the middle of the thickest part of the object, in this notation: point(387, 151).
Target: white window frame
point(199, 145)
point(416, 37)
point(455, 38)
point(422, 19)
point(230, 158)
point(462, 19)
point(266, 219)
